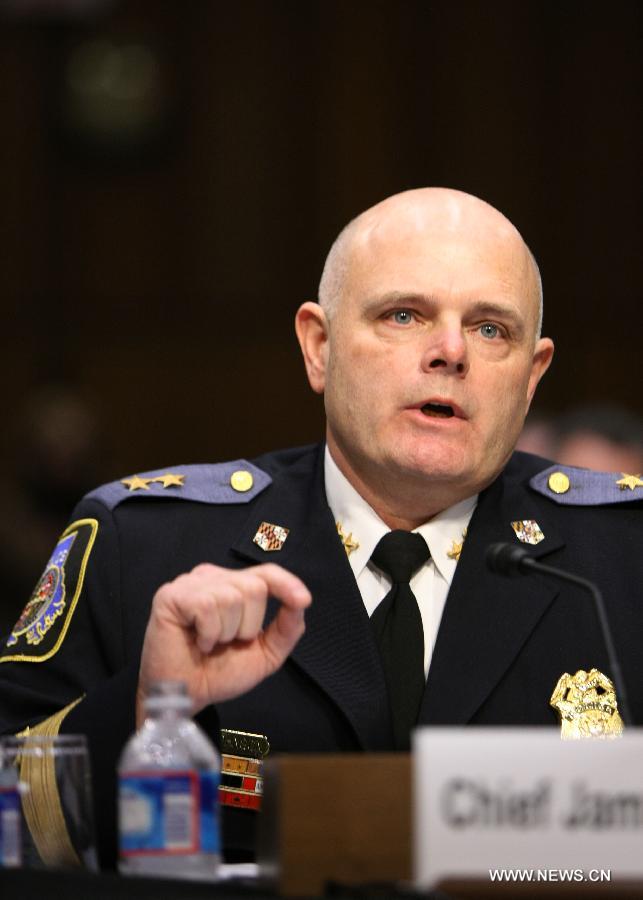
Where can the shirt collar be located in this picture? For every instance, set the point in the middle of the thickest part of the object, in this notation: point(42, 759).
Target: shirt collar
point(358, 519)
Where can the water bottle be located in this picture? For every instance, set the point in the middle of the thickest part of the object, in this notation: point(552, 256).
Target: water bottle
point(168, 778)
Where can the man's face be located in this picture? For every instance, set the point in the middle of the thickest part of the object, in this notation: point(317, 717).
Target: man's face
point(431, 358)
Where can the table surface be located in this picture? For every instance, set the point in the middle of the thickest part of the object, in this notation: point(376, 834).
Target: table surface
point(36, 884)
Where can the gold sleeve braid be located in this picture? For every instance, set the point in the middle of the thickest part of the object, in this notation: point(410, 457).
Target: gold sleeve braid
point(41, 803)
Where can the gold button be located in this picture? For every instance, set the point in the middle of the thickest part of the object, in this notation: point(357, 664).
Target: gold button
point(558, 482)
point(241, 480)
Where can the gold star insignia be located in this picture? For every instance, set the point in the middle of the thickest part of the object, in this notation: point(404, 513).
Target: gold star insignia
point(347, 540)
point(456, 548)
point(629, 481)
point(135, 483)
point(170, 479)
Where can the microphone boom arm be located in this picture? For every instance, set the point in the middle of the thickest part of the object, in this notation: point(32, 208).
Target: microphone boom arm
point(507, 560)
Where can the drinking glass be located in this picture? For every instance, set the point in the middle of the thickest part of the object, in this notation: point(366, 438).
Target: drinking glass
point(51, 776)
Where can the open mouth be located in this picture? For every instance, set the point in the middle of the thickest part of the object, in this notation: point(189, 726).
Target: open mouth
point(437, 411)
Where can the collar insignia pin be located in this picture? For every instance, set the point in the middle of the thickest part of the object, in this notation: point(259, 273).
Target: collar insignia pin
point(528, 531)
point(348, 541)
point(586, 705)
point(456, 548)
point(629, 481)
point(270, 537)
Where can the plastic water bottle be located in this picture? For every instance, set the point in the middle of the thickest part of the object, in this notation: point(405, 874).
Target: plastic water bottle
point(168, 777)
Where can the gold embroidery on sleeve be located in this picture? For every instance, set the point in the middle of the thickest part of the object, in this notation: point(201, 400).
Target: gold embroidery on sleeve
point(41, 803)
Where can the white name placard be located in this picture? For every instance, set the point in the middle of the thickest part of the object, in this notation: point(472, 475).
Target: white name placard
point(488, 800)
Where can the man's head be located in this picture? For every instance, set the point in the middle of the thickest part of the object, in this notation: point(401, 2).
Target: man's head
point(426, 346)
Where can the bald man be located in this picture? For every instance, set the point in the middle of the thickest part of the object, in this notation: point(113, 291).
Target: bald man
point(254, 582)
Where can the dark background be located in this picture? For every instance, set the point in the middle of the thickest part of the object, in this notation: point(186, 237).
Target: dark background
point(155, 263)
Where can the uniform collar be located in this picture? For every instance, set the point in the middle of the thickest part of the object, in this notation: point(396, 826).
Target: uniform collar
point(361, 521)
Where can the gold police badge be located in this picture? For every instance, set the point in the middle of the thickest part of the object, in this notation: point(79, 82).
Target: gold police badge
point(587, 707)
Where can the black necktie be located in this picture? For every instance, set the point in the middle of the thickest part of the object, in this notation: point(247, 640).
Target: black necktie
point(398, 629)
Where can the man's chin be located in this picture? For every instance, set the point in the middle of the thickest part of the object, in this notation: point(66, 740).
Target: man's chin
point(436, 468)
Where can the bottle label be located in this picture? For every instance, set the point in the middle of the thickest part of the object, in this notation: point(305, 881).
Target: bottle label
point(173, 812)
point(10, 838)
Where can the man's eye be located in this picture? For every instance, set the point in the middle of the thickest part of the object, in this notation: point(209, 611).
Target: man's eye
point(402, 316)
point(489, 330)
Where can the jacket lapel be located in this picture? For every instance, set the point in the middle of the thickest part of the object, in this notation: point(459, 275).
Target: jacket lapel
point(337, 650)
point(487, 617)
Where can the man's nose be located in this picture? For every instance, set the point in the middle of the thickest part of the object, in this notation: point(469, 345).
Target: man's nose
point(446, 349)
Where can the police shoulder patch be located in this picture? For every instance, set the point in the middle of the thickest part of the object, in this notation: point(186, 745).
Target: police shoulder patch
point(43, 623)
point(223, 483)
point(570, 486)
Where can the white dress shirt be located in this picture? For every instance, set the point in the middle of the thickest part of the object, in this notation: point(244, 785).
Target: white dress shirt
point(431, 582)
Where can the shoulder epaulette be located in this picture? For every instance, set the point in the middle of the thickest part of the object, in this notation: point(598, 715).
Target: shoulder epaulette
point(584, 487)
point(223, 483)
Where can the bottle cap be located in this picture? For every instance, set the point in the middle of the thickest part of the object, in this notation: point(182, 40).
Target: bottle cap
point(168, 695)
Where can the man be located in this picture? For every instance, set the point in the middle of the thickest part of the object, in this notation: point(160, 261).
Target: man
point(426, 345)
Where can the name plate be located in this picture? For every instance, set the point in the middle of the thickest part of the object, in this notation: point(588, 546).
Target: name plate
point(492, 803)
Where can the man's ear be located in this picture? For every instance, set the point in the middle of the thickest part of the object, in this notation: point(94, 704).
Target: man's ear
point(543, 353)
point(311, 326)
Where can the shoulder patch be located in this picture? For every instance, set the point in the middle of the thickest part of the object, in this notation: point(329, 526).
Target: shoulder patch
point(43, 623)
point(570, 486)
point(225, 483)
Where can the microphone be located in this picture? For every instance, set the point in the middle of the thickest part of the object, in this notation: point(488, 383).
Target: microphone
point(507, 559)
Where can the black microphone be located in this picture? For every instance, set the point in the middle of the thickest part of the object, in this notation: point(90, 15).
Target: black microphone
point(507, 559)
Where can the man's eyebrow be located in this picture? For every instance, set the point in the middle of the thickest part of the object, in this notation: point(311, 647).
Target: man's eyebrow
point(398, 298)
point(489, 308)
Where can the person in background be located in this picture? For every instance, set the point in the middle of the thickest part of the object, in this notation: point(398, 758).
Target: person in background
point(593, 436)
point(56, 453)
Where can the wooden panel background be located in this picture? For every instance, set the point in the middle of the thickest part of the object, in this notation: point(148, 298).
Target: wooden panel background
point(163, 286)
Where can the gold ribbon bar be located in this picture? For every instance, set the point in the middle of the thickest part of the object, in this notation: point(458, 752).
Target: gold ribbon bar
point(240, 765)
point(243, 743)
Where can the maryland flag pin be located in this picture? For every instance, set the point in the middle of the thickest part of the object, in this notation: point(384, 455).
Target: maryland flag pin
point(270, 537)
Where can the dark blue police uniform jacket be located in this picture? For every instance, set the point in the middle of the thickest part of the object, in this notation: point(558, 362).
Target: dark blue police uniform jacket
point(501, 647)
